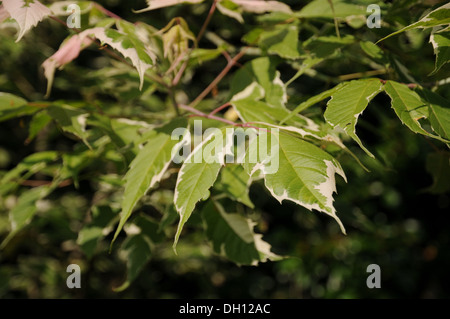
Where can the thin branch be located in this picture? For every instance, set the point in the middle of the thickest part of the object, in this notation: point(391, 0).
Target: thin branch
point(409, 85)
point(36, 183)
point(63, 23)
point(358, 75)
point(176, 62)
point(208, 19)
point(336, 25)
point(220, 108)
point(39, 104)
point(183, 67)
point(213, 117)
point(106, 11)
point(219, 78)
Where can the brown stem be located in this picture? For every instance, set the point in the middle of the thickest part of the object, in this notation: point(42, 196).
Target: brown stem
point(180, 73)
point(213, 117)
point(346, 77)
point(36, 183)
point(107, 12)
point(63, 23)
point(37, 104)
point(219, 78)
point(205, 24)
point(220, 108)
point(409, 85)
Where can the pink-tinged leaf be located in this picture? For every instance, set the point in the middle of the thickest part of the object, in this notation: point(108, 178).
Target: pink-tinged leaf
point(68, 52)
point(3, 13)
point(140, 56)
point(27, 15)
point(157, 4)
point(261, 6)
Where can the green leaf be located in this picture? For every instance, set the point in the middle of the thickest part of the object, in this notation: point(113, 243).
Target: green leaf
point(261, 71)
point(234, 8)
point(348, 103)
point(74, 163)
point(295, 170)
point(373, 51)
point(28, 167)
point(176, 38)
point(101, 225)
point(127, 42)
point(260, 113)
point(325, 46)
point(24, 210)
point(439, 112)
point(441, 46)
point(149, 228)
point(276, 17)
point(71, 120)
point(257, 111)
point(409, 107)
point(124, 133)
point(234, 182)
point(438, 165)
point(232, 236)
point(306, 65)
point(197, 174)
point(148, 168)
point(342, 8)
point(437, 17)
point(136, 250)
point(38, 122)
point(13, 106)
point(199, 56)
point(311, 101)
point(283, 41)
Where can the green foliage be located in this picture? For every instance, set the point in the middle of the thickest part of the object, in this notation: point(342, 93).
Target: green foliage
point(347, 104)
point(232, 236)
point(101, 162)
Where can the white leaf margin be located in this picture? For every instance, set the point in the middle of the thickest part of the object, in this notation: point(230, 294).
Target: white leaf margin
point(27, 16)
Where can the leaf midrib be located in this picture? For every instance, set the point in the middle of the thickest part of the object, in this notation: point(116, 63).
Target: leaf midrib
point(301, 179)
point(142, 183)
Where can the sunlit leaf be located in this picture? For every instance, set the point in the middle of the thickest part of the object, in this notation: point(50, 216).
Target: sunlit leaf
point(197, 174)
point(295, 170)
point(148, 168)
point(261, 71)
point(26, 13)
point(348, 103)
